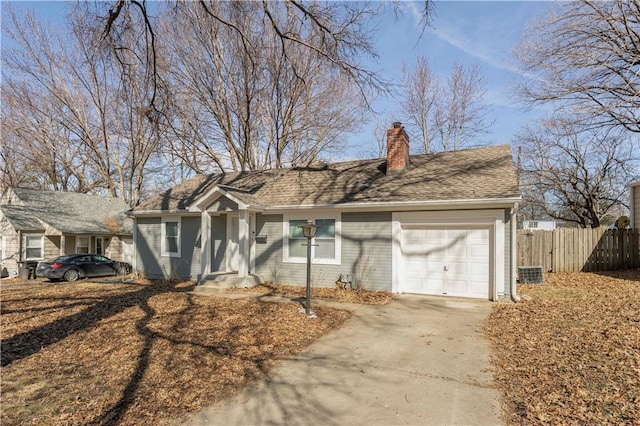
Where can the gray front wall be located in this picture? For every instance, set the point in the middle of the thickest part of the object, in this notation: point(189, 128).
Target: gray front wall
point(366, 252)
point(148, 249)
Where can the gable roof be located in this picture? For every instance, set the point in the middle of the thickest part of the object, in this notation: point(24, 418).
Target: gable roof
point(68, 212)
point(471, 174)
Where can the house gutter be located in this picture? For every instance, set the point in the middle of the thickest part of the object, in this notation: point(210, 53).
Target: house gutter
point(380, 206)
point(513, 256)
point(181, 212)
point(411, 205)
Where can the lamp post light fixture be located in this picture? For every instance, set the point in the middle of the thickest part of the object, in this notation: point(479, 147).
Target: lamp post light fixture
point(309, 230)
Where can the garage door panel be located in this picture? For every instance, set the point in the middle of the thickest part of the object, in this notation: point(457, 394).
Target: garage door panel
point(434, 234)
point(478, 236)
point(457, 268)
point(457, 250)
point(452, 261)
point(433, 284)
point(479, 269)
point(478, 287)
point(433, 266)
point(411, 237)
point(456, 287)
point(478, 252)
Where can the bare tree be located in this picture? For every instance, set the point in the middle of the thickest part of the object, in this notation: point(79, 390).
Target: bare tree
point(446, 116)
point(246, 103)
point(574, 175)
point(585, 57)
point(461, 114)
point(105, 135)
point(421, 93)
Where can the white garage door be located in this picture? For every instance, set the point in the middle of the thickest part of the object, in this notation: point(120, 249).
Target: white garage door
point(453, 262)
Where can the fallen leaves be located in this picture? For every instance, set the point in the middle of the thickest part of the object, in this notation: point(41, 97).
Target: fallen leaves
point(326, 293)
point(571, 354)
point(138, 353)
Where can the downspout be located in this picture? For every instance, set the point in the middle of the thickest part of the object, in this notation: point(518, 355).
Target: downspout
point(19, 246)
point(135, 244)
point(514, 212)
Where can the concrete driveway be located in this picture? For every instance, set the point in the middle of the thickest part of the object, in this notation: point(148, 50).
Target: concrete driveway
point(420, 360)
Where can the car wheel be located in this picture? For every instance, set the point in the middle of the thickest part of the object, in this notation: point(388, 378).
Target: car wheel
point(71, 275)
point(122, 270)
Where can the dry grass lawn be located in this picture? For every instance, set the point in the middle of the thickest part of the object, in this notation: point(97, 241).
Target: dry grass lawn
point(571, 354)
point(137, 353)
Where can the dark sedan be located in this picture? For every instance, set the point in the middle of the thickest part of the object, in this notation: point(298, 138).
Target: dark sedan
point(74, 266)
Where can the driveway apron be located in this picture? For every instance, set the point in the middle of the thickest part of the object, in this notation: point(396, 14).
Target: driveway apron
point(420, 360)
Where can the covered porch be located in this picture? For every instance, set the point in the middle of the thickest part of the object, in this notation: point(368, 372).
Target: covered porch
point(227, 224)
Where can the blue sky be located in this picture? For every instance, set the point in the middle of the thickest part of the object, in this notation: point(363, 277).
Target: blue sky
point(470, 32)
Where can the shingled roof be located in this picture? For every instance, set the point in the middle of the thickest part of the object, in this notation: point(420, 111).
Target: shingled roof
point(68, 212)
point(471, 174)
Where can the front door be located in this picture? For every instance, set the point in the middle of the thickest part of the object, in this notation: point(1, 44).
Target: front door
point(233, 245)
point(99, 246)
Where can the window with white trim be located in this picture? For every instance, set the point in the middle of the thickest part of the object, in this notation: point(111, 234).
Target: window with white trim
point(82, 245)
point(170, 237)
point(33, 247)
point(325, 248)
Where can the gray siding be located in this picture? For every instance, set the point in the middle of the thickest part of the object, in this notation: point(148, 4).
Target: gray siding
point(218, 240)
point(366, 252)
point(51, 248)
point(366, 248)
point(269, 253)
point(223, 204)
point(148, 258)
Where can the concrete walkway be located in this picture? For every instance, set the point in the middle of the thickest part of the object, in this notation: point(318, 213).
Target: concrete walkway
point(420, 360)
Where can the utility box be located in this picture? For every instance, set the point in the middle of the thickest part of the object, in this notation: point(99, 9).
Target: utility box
point(530, 275)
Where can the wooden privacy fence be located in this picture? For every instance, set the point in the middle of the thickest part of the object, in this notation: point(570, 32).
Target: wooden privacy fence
point(577, 249)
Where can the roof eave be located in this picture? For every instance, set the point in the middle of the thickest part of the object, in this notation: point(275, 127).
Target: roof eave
point(506, 202)
point(411, 205)
point(173, 212)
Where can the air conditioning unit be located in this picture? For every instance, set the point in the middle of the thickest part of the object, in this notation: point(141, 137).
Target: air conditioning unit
point(530, 275)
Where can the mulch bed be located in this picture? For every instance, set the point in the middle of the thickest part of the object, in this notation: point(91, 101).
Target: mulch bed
point(570, 353)
point(138, 353)
point(327, 293)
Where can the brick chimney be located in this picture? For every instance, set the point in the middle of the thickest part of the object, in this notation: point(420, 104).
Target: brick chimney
point(397, 150)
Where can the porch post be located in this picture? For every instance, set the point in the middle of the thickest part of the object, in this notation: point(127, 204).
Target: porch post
point(205, 244)
point(63, 244)
point(243, 242)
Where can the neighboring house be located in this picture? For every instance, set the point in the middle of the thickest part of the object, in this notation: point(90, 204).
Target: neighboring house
point(441, 223)
point(634, 204)
point(37, 225)
point(539, 225)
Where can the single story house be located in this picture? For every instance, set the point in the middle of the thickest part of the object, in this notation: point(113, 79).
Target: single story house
point(440, 223)
point(37, 225)
point(634, 204)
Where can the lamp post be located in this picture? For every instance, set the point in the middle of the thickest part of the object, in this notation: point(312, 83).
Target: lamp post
point(309, 231)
